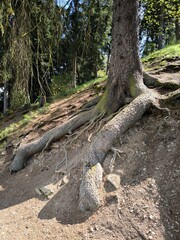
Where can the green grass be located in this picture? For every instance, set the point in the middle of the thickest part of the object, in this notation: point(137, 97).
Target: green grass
point(165, 53)
point(14, 127)
point(65, 91)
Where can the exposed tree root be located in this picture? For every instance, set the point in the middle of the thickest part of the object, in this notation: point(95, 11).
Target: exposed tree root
point(90, 188)
point(153, 82)
point(75, 136)
point(24, 152)
point(88, 106)
point(103, 142)
point(90, 192)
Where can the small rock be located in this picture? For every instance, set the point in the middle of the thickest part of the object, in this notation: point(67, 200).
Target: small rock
point(43, 191)
point(112, 182)
point(108, 164)
point(96, 227)
point(91, 229)
point(3, 153)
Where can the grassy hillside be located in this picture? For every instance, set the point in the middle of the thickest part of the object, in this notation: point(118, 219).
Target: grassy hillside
point(162, 57)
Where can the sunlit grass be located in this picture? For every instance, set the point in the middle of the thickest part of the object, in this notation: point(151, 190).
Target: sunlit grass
point(66, 91)
point(165, 53)
point(12, 128)
point(27, 118)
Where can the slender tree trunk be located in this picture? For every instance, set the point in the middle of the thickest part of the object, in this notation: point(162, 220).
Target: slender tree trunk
point(161, 27)
point(74, 83)
point(6, 98)
point(177, 30)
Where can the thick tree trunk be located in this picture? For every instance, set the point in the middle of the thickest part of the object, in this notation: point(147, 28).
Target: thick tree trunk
point(125, 80)
point(125, 65)
point(20, 46)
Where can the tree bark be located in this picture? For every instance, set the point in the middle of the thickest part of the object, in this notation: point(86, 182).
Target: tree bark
point(20, 46)
point(74, 78)
point(6, 98)
point(177, 30)
point(125, 66)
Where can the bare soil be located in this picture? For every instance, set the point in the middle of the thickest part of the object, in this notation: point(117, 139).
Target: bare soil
point(145, 206)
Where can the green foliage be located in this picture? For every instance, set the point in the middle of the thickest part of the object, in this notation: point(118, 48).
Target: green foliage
point(10, 130)
point(159, 25)
point(37, 36)
point(64, 89)
point(31, 33)
point(160, 58)
point(85, 40)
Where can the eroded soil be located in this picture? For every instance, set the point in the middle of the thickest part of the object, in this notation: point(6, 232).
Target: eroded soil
point(145, 206)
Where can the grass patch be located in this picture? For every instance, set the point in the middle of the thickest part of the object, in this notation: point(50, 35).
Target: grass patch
point(165, 53)
point(66, 91)
point(12, 129)
point(27, 118)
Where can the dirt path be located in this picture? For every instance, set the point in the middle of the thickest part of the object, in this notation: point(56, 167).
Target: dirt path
point(145, 205)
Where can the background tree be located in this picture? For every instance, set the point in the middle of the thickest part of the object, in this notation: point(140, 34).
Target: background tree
point(85, 39)
point(29, 32)
point(160, 23)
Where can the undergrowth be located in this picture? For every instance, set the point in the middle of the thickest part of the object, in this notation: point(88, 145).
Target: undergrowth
point(62, 89)
point(27, 118)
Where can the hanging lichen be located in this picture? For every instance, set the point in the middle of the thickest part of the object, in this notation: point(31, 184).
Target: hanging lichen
point(29, 31)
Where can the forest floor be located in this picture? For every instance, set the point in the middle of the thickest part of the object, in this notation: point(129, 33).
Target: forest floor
point(38, 203)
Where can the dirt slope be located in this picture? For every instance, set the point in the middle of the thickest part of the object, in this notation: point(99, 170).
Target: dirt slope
point(145, 205)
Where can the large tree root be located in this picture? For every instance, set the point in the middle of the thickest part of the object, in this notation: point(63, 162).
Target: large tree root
point(154, 82)
point(90, 188)
point(24, 152)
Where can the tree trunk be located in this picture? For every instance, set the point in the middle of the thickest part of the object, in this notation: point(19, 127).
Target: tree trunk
point(20, 46)
point(108, 60)
point(6, 98)
point(177, 30)
point(125, 67)
point(74, 80)
point(161, 27)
